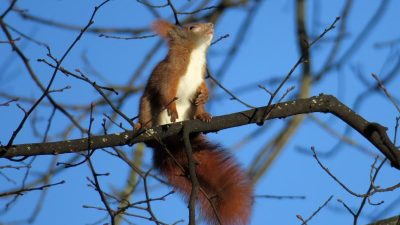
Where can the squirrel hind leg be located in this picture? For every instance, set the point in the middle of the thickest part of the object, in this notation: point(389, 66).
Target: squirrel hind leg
point(145, 114)
point(201, 114)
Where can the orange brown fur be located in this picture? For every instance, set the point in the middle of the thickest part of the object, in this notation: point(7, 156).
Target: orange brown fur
point(223, 183)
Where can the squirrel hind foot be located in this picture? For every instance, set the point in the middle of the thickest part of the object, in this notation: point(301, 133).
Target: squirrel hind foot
point(205, 117)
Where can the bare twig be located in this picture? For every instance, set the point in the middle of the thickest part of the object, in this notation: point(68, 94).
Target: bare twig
point(9, 8)
point(24, 190)
point(280, 197)
point(193, 177)
point(220, 38)
point(95, 174)
point(174, 11)
point(150, 5)
point(197, 11)
point(299, 61)
point(374, 190)
point(45, 93)
point(370, 189)
point(304, 222)
point(127, 38)
point(381, 86)
point(234, 97)
point(7, 103)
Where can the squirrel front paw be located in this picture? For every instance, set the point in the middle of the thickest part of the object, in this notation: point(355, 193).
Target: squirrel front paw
point(138, 126)
point(205, 117)
point(201, 98)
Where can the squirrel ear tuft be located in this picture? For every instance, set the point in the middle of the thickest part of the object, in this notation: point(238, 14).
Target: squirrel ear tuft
point(162, 28)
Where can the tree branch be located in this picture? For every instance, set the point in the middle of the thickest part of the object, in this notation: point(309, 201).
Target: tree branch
point(373, 132)
point(395, 220)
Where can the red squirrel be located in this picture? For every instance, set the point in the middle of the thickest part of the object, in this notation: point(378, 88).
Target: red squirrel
point(176, 91)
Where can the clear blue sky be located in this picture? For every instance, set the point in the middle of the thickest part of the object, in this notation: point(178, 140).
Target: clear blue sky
point(269, 50)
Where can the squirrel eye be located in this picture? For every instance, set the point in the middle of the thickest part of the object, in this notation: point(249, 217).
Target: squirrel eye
point(192, 27)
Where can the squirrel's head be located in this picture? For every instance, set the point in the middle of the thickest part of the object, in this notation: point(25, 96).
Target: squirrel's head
point(191, 35)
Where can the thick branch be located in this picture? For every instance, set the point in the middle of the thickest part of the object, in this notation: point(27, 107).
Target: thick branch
point(390, 221)
point(373, 132)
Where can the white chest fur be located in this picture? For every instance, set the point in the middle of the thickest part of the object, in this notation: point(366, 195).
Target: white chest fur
point(187, 86)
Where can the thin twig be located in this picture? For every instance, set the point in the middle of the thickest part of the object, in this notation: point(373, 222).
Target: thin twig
point(299, 61)
point(197, 11)
point(45, 93)
point(127, 38)
point(9, 8)
point(304, 222)
point(279, 197)
point(193, 177)
point(381, 86)
point(95, 174)
point(372, 192)
point(7, 103)
point(174, 12)
point(234, 97)
point(22, 191)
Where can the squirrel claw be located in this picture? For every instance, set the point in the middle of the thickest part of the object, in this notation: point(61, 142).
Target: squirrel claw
point(138, 126)
point(173, 114)
point(205, 117)
point(201, 98)
point(173, 118)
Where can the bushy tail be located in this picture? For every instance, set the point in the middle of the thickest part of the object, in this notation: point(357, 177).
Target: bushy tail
point(226, 193)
